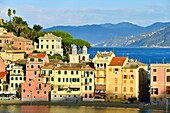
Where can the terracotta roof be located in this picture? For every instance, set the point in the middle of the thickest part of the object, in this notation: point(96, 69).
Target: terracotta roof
point(117, 61)
point(37, 55)
point(2, 74)
point(8, 47)
point(21, 39)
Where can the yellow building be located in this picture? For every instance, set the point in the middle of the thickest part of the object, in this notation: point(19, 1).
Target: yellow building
point(11, 53)
point(1, 21)
point(72, 82)
point(50, 44)
point(114, 78)
point(101, 61)
point(17, 77)
point(126, 79)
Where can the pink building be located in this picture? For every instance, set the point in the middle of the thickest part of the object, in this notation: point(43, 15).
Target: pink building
point(35, 88)
point(18, 42)
point(160, 82)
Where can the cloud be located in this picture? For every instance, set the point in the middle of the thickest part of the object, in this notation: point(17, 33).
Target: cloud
point(48, 17)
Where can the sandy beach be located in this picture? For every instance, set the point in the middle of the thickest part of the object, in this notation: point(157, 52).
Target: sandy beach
point(94, 104)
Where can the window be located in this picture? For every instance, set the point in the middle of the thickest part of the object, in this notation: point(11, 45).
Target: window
point(116, 69)
point(18, 71)
point(35, 72)
point(32, 66)
point(45, 92)
point(16, 85)
point(131, 77)
point(12, 42)
point(116, 88)
point(77, 72)
point(0, 41)
point(19, 43)
point(52, 79)
point(44, 85)
point(41, 46)
point(12, 78)
point(90, 87)
point(168, 90)
point(85, 87)
point(40, 60)
point(65, 72)
point(125, 76)
point(116, 80)
point(46, 40)
point(63, 79)
point(124, 89)
point(90, 80)
point(47, 46)
point(154, 91)
point(29, 84)
point(59, 79)
point(38, 92)
point(31, 59)
point(131, 89)
point(154, 78)
point(38, 66)
point(16, 78)
point(59, 72)
point(168, 78)
point(23, 90)
point(20, 78)
point(154, 70)
point(72, 72)
point(52, 40)
point(52, 46)
point(131, 70)
point(12, 84)
point(41, 40)
point(116, 97)
point(85, 95)
point(168, 70)
point(14, 71)
point(66, 79)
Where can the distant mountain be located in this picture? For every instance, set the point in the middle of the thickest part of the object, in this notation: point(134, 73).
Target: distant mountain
point(121, 34)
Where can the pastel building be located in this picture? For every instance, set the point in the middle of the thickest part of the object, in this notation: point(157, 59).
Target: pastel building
point(73, 82)
point(35, 88)
point(50, 44)
point(17, 77)
point(101, 61)
point(3, 83)
point(160, 82)
point(20, 43)
point(9, 52)
point(115, 78)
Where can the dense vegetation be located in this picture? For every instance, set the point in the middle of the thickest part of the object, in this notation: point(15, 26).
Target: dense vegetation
point(20, 27)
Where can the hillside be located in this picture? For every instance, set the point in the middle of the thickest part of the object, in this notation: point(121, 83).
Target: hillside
point(121, 34)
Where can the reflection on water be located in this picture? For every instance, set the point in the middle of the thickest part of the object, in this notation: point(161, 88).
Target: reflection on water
point(69, 109)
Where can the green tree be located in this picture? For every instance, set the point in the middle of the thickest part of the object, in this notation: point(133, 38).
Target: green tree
point(37, 27)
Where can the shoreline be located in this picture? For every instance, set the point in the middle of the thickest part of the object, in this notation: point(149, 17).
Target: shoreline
point(140, 106)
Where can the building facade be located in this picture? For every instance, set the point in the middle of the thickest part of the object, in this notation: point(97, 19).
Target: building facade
point(160, 83)
point(50, 44)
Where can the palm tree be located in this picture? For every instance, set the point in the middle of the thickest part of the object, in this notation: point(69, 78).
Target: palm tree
point(14, 12)
point(9, 14)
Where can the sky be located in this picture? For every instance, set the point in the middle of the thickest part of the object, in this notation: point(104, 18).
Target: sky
point(48, 13)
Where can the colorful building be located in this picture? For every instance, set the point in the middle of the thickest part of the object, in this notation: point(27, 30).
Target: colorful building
point(160, 83)
point(101, 61)
point(17, 77)
point(73, 82)
point(50, 44)
point(9, 52)
point(114, 78)
point(35, 88)
point(20, 43)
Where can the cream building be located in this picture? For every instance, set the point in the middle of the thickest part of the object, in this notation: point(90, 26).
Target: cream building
point(101, 61)
point(50, 44)
point(16, 78)
point(11, 53)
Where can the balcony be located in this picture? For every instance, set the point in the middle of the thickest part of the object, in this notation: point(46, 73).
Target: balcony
point(85, 83)
point(100, 76)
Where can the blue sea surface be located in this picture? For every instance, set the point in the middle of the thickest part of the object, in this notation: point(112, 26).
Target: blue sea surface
point(144, 55)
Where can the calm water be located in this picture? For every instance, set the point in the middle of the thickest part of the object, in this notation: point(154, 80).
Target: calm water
point(145, 55)
point(73, 109)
